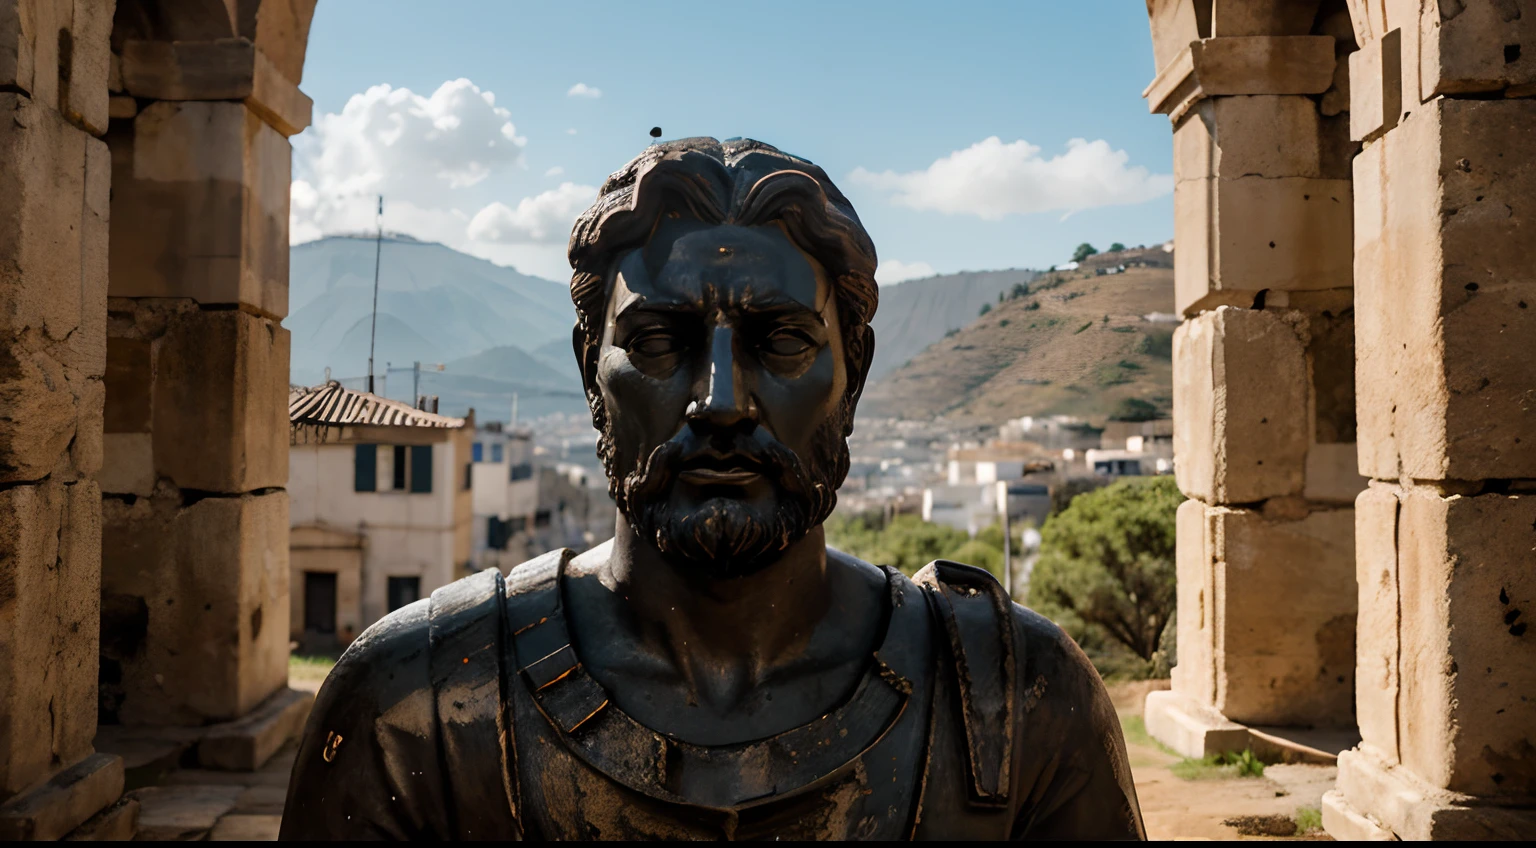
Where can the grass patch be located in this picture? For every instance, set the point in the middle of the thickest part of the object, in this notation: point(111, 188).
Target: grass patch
point(1082, 328)
point(1122, 329)
point(1135, 729)
point(309, 668)
point(1219, 766)
point(1308, 819)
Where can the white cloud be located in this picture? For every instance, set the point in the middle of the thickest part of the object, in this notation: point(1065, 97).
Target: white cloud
point(554, 172)
point(895, 271)
point(991, 180)
point(542, 219)
point(571, 131)
point(581, 89)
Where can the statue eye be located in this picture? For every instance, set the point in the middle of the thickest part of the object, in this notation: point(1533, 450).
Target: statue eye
point(787, 343)
point(655, 344)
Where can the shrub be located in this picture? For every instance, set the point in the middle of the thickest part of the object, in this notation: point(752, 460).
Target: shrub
point(985, 308)
point(1083, 251)
point(1082, 328)
point(1134, 409)
point(1106, 567)
point(1033, 305)
point(1116, 247)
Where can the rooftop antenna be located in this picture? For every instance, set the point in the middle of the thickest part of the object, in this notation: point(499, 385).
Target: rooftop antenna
point(655, 134)
point(378, 246)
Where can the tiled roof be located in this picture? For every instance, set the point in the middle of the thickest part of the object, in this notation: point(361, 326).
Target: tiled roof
point(333, 405)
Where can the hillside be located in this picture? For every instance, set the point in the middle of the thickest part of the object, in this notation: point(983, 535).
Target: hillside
point(917, 313)
point(435, 304)
point(1051, 351)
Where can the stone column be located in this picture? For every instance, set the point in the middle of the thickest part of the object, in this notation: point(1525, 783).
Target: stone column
point(1445, 263)
point(195, 567)
point(54, 173)
point(1264, 425)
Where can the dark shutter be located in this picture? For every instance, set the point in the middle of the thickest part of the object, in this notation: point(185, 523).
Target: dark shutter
point(401, 452)
point(421, 468)
point(366, 469)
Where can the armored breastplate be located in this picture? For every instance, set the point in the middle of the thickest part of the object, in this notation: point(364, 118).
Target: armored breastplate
point(583, 769)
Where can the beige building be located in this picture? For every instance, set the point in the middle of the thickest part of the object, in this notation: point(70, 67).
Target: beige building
point(381, 505)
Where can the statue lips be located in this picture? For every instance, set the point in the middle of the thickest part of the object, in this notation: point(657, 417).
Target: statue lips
point(726, 470)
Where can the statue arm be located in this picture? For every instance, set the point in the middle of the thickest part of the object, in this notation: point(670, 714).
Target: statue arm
point(1069, 749)
point(381, 780)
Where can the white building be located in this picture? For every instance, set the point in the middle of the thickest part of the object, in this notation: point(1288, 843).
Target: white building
point(380, 508)
point(506, 496)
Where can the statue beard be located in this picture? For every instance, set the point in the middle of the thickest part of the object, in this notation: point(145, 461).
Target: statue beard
point(725, 538)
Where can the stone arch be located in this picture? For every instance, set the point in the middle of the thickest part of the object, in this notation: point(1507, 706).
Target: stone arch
point(144, 172)
point(1393, 112)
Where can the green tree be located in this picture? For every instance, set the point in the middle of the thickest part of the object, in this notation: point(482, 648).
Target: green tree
point(1106, 566)
point(1018, 291)
point(1083, 251)
point(985, 308)
point(1134, 409)
point(1116, 247)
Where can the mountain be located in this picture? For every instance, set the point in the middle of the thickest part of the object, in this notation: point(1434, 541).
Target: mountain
point(435, 304)
point(1050, 351)
point(917, 313)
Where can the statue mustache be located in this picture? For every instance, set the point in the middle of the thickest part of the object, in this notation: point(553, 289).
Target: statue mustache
point(655, 474)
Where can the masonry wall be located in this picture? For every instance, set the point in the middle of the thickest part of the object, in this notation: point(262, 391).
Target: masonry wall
point(195, 566)
point(54, 218)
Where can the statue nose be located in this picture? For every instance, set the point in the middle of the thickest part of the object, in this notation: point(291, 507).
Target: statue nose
point(725, 401)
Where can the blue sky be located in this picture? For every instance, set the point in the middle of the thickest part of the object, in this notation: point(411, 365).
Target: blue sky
point(876, 93)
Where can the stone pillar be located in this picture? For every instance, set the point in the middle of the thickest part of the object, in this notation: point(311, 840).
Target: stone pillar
point(1445, 208)
point(54, 174)
point(195, 567)
point(1264, 424)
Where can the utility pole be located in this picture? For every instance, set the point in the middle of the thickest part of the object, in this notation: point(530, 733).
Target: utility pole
point(378, 247)
point(416, 384)
point(513, 425)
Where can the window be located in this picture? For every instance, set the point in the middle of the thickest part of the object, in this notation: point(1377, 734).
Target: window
point(478, 452)
point(393, 468)
point(403, 591)
point(365, 468)
point(497, 533)
point(522, 471)
point(469, 475)
point(496, 452)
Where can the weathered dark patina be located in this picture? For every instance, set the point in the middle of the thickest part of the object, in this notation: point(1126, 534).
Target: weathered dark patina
point(716, 671)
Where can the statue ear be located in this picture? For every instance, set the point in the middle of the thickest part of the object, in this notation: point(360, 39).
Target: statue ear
point(867, 359)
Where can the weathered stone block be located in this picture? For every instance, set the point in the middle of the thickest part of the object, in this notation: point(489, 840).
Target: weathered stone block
point(117, 823)
point(1240, 406)
point(182, 813)
point(220, 417)
point(50, 556)
point(1194, 677)
point(1262, 135)
point(222, 69)
point(83, 81)
point(70, 798)
point(194, 625)
point(1262, 17)
point(1287, 234)
point(1472, 47)
point(1332, 477)
point(246, 743)
point(1447, 295)
point(1176, 23)
point(1402, 804)
point(1213, 67)
point(1190, 728)
point(1376, 86)
point(42, 190)
point(1287, 662)
point(1467, 593)
point(1376, 646)
point(199, 213)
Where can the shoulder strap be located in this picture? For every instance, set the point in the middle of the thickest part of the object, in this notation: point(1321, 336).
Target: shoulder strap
point(975, 612)
point(465, 623)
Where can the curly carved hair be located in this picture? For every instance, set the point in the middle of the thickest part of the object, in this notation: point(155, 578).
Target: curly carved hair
point(738, 181)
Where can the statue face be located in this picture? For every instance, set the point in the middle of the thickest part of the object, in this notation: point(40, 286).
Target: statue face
point(723, 375)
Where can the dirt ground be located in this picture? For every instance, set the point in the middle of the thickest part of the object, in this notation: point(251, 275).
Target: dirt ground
point(1175, 807)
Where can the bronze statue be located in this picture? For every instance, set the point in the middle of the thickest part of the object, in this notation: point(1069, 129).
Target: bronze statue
point(715, 671)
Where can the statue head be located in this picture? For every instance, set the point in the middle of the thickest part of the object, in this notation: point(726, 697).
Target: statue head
point(723, 296)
